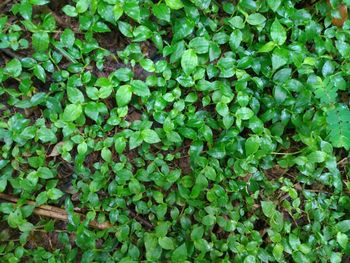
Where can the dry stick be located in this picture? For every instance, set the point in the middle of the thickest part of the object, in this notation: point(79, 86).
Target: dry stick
point(54, 212)
point(4, 3)
point(141, 220)
point(10, 53)
point(14, 200)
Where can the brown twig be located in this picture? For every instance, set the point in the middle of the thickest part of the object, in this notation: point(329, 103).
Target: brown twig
point(4, 3)
point(54, 212)
point(10, 53)
point(141, 220)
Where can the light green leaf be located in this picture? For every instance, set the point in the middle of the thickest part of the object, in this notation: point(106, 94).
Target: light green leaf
point(267, 47)
point(39, 72)
point(140, 88)
point(40, 41)
point(75, 95)
point(274, 4)
point(342, 239)
point(106, 154)
point(150, 136)
point(244, 113)
point(166, 243)
point(189, 61)
point(72, 112)
point(222, 109)
point(54, 194)
point(123, 95)
point(278, 33)
point(161, 11)
point(174, 4)
point(132, 9)
point(13, 68)
point(200, 45)
point(256, 19)
point(46, 135)
point(180, 253)
point(91, 110)
point(252, 145)
point(45, 173)
point(68, 38)
point(268, 208)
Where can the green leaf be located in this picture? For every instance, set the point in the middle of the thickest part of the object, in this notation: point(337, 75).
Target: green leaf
point(106, 87)
point(140, 88)
point(39, 2)
point(197, 233)
point(125, 28)
point(118, 11)
point(222, 109)
point(342, 239)
point(82, 6)
point(123, 74)
point(343, 226)
point(166, 243)
point(210, 173)
point(54, 193)
point(278, 251)
point(45, 173)
point(274, 4)
point(132, 9)
point(182, 28)
point(41, 198)
point(13, 68)
point(336, 257)
point(180, 253)
point(317, 157)
point(267, 47)
point(134, 186)
point(256, 19)
point(278, 33)
point(136, 140)
point(150, 136)
point(3, 184)
point(279, 59)
point(189, 61)
point(338, 126)
point(68, 38)
point(46, 135)
point(236, 22)
point(174, 4)
point(39, 72)
point(147, 65)
point(252, 145)
point(123, 95)
point(72, 112)
point(244, 113)
point(91, 110)
point(268, 208)
point(15, 218)
point(208, 220)
point(236, 38)
point(106, 154)
point(70, 10)
point(119, 145)
point(40, 41)
point(327, 68)
point(202, 245)
point(75, 95)
point(161, 11)
point(294, 241)
point(200, 45)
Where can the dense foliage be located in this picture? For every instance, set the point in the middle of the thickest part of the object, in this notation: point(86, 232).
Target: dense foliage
point(200, 130)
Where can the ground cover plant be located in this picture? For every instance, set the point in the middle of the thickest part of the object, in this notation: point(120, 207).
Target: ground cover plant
point(174, 131)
